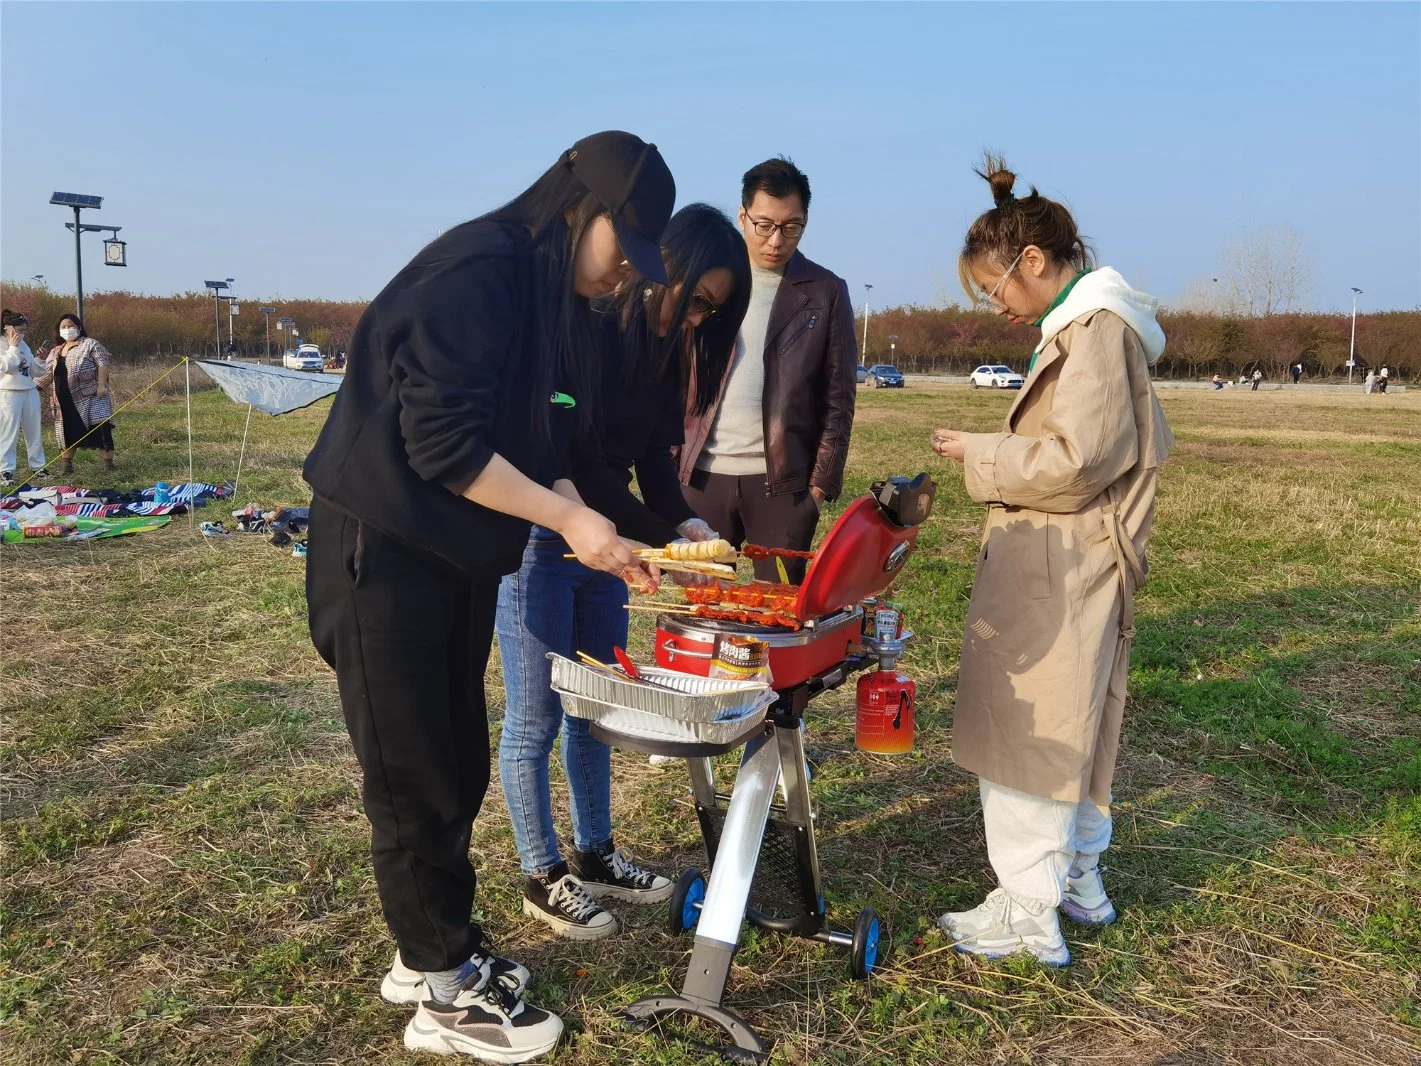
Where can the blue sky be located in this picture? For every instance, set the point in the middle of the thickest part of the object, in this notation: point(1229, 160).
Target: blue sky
point(311, 149)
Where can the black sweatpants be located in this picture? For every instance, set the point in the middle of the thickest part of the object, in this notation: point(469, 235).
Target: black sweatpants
point(741, 510)
point(408, 638)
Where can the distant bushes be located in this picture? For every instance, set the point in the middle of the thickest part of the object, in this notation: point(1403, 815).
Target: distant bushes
point(944, 340)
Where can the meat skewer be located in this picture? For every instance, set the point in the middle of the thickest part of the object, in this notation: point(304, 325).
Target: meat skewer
point(759, 551)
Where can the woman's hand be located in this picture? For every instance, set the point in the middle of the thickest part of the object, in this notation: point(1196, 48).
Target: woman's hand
point(593, 539)
point(696, 529)
point(949, 443)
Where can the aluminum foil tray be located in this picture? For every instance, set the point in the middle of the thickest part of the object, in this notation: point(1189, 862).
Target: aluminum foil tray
point(689, 709)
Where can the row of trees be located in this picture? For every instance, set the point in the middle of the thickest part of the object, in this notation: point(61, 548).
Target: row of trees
point(944, 340)
point(954, 340)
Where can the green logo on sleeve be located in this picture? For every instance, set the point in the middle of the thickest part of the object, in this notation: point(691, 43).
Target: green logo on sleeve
point(562, 399)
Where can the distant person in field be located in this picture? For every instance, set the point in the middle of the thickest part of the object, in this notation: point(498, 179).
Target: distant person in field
point(1297, 372)
point(78, 368)
point(1217, 381)
point(1370, 383)
point(1069, 485)
point(1382, 379)
point(1257, 377)
point(760, 463)
point(19, 400)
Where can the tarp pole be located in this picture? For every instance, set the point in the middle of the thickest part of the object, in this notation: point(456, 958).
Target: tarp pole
point(242, 454)
point(192, 504)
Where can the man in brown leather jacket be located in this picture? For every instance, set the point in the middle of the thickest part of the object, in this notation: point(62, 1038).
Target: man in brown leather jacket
point(761, 462)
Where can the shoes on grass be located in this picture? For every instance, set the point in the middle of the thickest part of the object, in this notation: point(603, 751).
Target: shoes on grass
point(559, 900)
point(406, 987)
point(487, 1021)
point(1002, 925)
point(299, 551)
point(1085, 900)
point(215, 529)
point(611, 874)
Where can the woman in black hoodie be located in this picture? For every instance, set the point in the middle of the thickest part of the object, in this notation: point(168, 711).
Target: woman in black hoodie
point(467, 377)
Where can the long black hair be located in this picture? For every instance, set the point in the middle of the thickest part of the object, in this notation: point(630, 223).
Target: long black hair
point(557, 210)
point(698, 239)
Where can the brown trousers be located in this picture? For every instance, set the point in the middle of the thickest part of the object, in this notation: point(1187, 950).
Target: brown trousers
point(741, 509)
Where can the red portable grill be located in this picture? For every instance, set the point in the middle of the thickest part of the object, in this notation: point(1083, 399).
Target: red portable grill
point(763, 858)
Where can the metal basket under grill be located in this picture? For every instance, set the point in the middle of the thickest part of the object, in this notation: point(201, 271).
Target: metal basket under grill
point(679, 708)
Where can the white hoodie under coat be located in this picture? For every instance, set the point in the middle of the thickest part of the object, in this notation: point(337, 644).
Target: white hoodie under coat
point(1106, 290)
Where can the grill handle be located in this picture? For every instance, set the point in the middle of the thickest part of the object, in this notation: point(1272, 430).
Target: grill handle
point(671, 650)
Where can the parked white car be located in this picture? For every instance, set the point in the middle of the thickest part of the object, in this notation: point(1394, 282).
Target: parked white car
point(306, 357)
point(996, 377)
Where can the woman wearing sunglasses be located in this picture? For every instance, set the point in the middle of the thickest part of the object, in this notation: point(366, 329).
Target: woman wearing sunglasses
point(449, 437)
point(554, 604)
point(1069, 486)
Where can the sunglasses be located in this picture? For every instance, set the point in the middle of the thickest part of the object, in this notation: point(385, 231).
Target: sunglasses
point(703, 305)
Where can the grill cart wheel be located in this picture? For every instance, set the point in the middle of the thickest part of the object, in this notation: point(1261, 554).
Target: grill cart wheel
point(686, 897)
point(865, 952)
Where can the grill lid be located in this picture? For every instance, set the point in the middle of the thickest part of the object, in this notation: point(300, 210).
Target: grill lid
point(859, 557)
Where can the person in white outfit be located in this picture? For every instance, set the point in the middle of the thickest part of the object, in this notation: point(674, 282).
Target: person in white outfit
point(19, 400)
point(1069, 485)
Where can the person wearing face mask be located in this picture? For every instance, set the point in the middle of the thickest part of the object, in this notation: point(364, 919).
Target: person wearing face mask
point(1069, 486)
point(78, 368)
point(555, 604)
point(466, 379)
point(19, 400)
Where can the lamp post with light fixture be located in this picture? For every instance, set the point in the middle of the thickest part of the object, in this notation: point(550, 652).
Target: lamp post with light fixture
point(115, 250)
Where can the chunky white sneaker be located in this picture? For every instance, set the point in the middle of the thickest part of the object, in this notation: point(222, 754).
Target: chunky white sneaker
point(1085, 900)
point(613, 875)
point(559, 900)
point(406, 987)
point(662, 760)
point(488, 1022)
point(1003, 925)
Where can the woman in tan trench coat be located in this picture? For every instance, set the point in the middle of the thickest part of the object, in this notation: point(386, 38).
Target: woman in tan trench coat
point(1069, 486)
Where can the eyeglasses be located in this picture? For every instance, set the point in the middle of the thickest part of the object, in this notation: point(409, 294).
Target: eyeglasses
point(765, 228)
point(703, 305)
point(991, 297)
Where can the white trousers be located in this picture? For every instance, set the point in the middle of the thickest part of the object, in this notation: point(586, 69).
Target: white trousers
point(1033, 843)
point(19, 410)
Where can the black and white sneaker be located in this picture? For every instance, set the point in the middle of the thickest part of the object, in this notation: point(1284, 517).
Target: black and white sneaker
point(407, 987)
point(559, 900)
point(611, 874)
point(488, 1022)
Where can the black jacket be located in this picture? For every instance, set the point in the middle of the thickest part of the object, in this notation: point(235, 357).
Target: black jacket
point(638, 424)
point(810, 385)
point(432, 391)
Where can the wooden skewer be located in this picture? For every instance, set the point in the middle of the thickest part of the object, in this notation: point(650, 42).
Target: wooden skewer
point(662, 608)
point(593, 662)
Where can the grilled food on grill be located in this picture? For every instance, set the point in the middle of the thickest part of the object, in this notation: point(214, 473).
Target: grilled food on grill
point(694, 551)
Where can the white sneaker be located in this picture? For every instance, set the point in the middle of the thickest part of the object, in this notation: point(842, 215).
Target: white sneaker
point(405, 987)
point(488, 1022)
point(1085, 900)
point(662, 760)
point(1003, 925)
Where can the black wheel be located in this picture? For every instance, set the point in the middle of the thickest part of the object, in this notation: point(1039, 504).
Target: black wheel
point(865, 952)
point(973, 383)
point(686, 897)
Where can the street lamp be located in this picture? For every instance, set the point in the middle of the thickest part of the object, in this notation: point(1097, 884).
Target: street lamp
point(114, 249)
point(867, 292)
point(267, 312)
point(1352, 351)
point(38, 279)
point(286, 324)
point(217, 287)
point(893, 348)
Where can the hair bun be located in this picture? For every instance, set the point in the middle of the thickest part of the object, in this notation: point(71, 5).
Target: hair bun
point(994, 171)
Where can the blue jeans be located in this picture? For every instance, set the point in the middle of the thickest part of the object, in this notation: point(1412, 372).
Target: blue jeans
point(554, 604)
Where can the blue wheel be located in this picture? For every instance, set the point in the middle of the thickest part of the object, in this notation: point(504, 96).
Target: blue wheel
point(686, 897)
point(866, 936)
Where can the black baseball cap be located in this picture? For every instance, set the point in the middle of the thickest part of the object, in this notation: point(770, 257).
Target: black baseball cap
point(635, 185)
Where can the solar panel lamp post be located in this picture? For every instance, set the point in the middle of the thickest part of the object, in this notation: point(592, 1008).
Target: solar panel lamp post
point(79, 202)
point(216, 288)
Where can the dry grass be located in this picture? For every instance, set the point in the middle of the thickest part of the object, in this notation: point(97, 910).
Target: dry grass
point(184, 875)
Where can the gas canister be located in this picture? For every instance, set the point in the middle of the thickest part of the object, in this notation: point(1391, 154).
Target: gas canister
point(883, 722)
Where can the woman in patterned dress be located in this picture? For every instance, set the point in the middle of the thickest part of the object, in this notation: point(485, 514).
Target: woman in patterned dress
point(78, 368)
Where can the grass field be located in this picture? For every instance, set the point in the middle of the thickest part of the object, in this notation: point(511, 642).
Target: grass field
point(184, 858)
